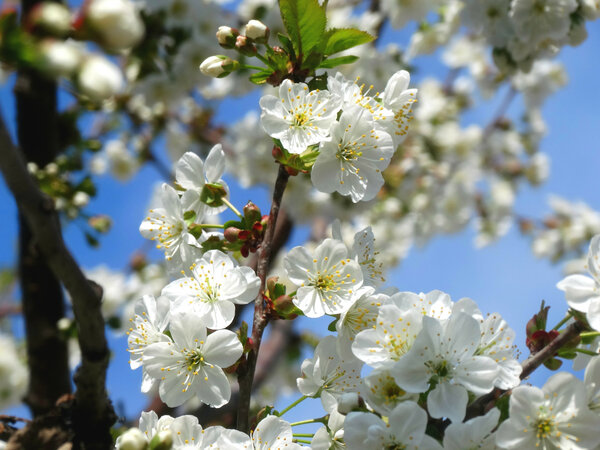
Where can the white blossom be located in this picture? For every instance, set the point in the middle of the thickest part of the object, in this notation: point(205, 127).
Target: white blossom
point(216, 285)
point(298, 117)
point(405, 429)
point(555, 416)
point(329, 281)
point(352, 160)
point(582, 292)
point(192, 364)
point(445, 355)
point(328, 376)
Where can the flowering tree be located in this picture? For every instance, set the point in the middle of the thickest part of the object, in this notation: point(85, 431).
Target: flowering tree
point(370, 171)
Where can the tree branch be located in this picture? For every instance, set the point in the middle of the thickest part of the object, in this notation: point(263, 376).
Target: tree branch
point(482, 404)
point(92, 411)
point(246, 371)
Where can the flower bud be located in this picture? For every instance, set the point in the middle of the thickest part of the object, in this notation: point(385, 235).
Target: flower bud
point(232, 234)
point(50, 18)
point(101, 223)
point(284, 306)
point(99, 79)
point(227, 36)
point(115, 24)
point(60, 58)
point(81, 199)
point(252, 213)
point(218, 66)
point(348, 402)
point(163, 440)
point(257, 31)
point(245, 46)
point(132, 439)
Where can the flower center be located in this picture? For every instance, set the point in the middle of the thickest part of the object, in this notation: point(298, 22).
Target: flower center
point(545, 427)
point(323, 282)
point(300, 119)
point(193, 360)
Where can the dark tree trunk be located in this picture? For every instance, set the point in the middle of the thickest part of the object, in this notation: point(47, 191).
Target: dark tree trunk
point(42, 297)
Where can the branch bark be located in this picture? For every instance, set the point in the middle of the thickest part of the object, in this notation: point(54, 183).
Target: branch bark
point(246, 371)
point(92, 412)
point(482, 404)
point(41, 293)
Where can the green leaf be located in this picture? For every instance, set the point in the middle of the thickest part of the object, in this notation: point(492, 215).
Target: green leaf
point(260, 77)
point(339, 39)
point(287, 45)
point(305, 23)
point(334, 62)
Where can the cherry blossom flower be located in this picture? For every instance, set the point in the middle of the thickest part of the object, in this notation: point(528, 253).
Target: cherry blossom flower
point(192, 174)
point(405, 429)
point(167, 227)
point(192, 363)
point(298, 117)
point(389, 338)
point(444, 356)
point(216, 284)
point(473, 434)
point(352, 160)
point(555, 416)
point(271, 433)
point(583, 292)
point(328, 376)
point(398, 99)
point(329, 281)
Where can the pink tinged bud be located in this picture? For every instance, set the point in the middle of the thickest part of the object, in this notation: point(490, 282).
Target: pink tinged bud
point(227, 36)
point(231, 234)
point(245, 46)
point(257, 31)
point(218, 66)
point(252, 213)
point(50, 18)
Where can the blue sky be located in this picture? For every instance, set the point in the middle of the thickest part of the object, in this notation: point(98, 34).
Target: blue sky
point(504, 277)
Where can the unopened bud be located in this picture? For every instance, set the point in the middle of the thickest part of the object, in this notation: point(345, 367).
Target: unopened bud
point(163, 440)
point(252, 213)
point(232, 234)
point(132, 439)
point(277, 153)
point(50, 18)
point(59, 58)
point(245, 46)
point(81, 199)
point(218, 66)
point(284, 305)
point(227, 36)
point(257, 31)
point(348, 402)
point(271, 282)
point(99, 78)
point(101, 223)
point(115, 24)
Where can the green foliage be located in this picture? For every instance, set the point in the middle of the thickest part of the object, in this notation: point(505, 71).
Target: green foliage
point(340, 39)
point(305, 22)
point(334, 62)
